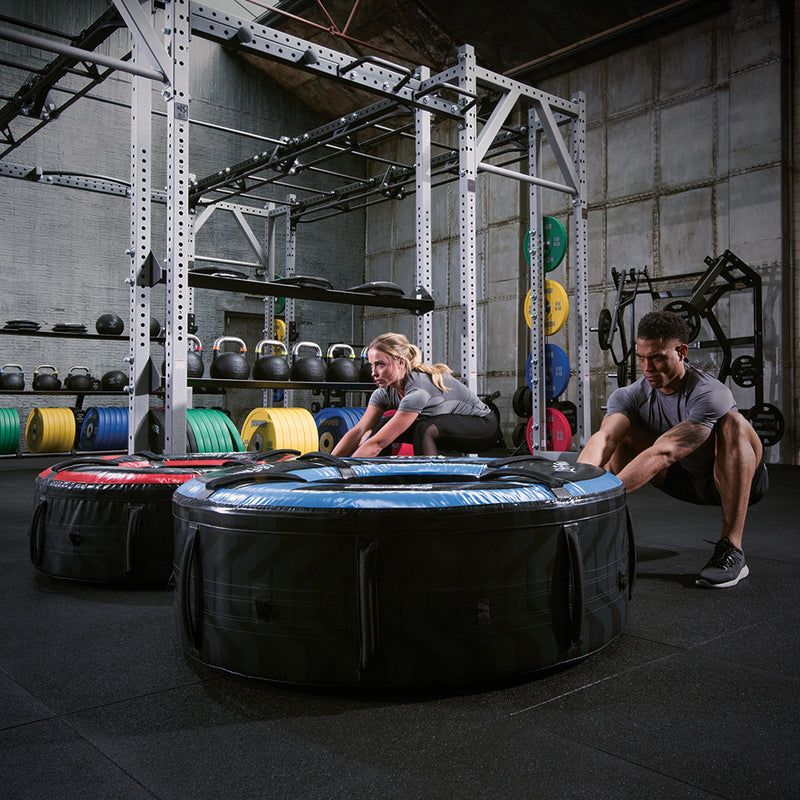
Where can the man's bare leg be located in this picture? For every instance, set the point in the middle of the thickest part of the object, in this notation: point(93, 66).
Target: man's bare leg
point(738, 453)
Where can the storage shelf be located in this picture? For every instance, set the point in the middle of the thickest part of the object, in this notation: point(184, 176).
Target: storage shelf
point(223, 383)
point(56, 335)
point(63, 392)
point(419, 305)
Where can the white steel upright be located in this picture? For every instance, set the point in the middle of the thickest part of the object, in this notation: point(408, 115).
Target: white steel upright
point(139, 322)
point(179, 226)
point(422, 164)
point(535, 257)
point(580, 259)
point(467, 188)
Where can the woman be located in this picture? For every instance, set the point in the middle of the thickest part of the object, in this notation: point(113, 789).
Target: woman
point(431, 406)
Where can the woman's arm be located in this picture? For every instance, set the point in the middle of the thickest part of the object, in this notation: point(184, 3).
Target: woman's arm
point(399, 423)
point(348, 444)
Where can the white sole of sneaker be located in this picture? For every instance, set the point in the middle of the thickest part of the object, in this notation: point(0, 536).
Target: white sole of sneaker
point(745, 571)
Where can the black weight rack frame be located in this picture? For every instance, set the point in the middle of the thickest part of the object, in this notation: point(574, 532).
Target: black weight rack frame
point(726, 273)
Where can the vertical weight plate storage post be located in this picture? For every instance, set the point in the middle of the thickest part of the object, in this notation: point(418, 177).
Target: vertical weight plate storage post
point(139, 327)
point(423, 119)
point(467, 186)
point(580, 262)
point(269, 275)
point(178, 225)
point(537, 439)
point(290, 231)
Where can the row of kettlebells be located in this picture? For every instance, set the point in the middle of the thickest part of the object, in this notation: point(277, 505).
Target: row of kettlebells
point(45, 379)
point(231, 365)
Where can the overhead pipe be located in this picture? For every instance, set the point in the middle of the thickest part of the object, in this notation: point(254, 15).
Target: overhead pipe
point(91, 57)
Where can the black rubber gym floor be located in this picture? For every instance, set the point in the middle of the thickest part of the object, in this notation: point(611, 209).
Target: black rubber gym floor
point(698, 698)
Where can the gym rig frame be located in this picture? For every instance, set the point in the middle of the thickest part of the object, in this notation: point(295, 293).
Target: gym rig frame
point(725, 274)
point(456, 93)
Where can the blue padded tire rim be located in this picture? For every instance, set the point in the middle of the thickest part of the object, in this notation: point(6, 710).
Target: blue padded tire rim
point(410, 483)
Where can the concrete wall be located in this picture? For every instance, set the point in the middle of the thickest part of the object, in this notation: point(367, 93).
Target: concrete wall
point(794, 296)
point(62, 250)
point(686, 158)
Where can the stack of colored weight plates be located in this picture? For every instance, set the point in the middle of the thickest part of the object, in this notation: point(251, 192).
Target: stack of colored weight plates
point(109, 519)
point(104, 429)
point(333, 423)
point(267, 429)
point(327, 571)
point(213, 431)
point(9, 430)
point(50, 430)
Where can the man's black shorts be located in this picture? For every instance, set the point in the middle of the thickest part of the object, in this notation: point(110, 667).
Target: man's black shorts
point(701, 489)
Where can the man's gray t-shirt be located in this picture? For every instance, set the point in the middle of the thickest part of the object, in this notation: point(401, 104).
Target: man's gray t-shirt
point(424, 397)
point(701, 398)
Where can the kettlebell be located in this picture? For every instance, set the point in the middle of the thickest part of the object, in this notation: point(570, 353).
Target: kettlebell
point(341, 369)
point(271, 368)
point(109, 324)
point(44, 381)
point(12, 380)
point(365, 370)
point(114, 380)
point(194, 359)
point(308, 368)
point(155, 328)
point(78, 383)
point(231, 366)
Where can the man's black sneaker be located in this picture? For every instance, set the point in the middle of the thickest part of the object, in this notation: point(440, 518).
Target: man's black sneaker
point(726, 567)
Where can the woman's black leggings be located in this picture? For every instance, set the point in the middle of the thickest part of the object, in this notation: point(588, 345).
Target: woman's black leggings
point(469, 434)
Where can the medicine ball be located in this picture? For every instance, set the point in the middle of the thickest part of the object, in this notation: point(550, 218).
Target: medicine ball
point(109, 324)
point(114, 381)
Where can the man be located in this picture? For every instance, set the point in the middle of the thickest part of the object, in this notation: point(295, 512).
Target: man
point(678, 428)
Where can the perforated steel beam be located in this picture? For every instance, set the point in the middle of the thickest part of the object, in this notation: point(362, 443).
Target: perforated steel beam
point(141, 204)
point(179, 227)
point(422, 196)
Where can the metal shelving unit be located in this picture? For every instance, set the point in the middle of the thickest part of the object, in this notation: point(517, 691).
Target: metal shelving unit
point(478, 101)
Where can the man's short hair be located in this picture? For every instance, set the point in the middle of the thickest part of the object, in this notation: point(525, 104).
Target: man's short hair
point(663, 325)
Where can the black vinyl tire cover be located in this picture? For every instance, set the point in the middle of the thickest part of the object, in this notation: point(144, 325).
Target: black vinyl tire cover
point(326, 571)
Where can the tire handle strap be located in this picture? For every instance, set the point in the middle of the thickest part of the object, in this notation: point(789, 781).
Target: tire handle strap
point(631, 553)
point(523, 459)
point(132, 528)
point(274, 455)
point(577, 597)
point(37, 528)
point(368, 633)
point(191, 623)
point(345, 470)
point(533, 475)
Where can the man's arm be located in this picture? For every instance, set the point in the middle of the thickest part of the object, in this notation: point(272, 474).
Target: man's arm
point(604, 442)
point(675, 444)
